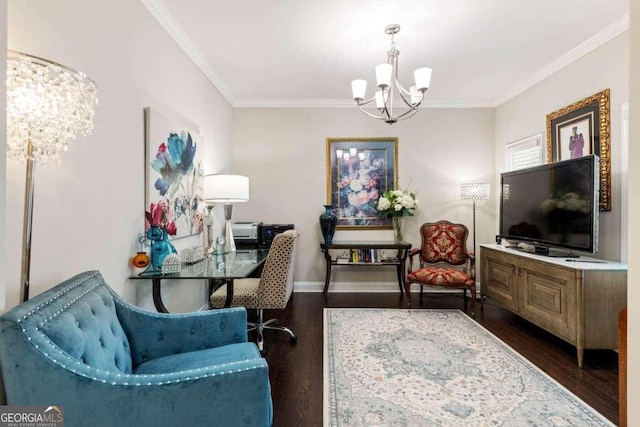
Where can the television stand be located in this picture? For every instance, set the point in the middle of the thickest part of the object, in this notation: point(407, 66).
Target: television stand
point(576, 299)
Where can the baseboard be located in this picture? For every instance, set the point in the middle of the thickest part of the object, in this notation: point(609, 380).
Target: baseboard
point(369, 287)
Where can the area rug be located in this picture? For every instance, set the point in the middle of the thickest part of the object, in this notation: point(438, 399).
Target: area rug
point(387, 367)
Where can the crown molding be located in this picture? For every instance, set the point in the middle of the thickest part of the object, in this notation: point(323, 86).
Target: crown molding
point(166, 20)
point(611, 31)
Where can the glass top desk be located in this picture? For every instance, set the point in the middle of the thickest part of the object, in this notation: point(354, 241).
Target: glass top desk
point(217, 270)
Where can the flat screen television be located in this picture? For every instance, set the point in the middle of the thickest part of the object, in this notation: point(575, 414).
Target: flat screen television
point(553, 206)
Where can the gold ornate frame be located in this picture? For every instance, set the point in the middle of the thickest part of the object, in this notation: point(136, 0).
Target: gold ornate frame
point(594, 112)
point(354, 184)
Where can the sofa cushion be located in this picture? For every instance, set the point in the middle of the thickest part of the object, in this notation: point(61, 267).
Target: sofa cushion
point(198, 359)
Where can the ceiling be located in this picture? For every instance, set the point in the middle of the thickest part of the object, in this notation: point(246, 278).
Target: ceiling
point(304, 53)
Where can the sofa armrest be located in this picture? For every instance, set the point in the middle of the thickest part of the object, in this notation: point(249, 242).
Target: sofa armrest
point(152, 335)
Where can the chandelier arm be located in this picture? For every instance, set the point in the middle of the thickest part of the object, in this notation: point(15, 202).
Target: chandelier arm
point(402, 91)
point(409, 113)
point(359, 103)
point(368, 113)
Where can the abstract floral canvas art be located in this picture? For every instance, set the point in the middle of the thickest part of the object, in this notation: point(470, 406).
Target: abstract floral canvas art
point(359, 171)
point(174, 176)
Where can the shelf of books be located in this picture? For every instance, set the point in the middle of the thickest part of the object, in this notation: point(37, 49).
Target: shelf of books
point(365, 256)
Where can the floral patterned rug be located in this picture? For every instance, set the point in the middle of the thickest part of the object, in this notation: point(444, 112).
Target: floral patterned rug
point(423, 368)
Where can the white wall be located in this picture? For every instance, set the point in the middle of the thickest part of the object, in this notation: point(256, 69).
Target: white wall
point(633, 331)
point(3, 145)
point(525, 115)
point(89, 210)
point(283, 151)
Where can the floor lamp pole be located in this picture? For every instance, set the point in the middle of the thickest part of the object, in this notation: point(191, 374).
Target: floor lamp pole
point(474, 227)
point(26, 226)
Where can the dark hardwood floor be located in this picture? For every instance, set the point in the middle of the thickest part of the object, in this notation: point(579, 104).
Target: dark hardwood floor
point(296, 369)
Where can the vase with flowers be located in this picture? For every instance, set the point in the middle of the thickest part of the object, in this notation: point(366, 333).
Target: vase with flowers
point(397, 204)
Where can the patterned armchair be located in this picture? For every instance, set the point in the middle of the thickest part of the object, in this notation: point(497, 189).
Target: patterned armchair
point(271, 291)
point(444, 261)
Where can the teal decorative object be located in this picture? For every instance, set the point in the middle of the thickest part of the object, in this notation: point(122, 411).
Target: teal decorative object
point(328, 222)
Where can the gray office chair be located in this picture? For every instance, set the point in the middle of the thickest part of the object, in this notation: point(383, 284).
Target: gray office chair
point(271, 291)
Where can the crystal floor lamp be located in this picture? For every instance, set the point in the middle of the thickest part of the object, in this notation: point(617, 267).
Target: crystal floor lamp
point(474, 191)
point(226, 189)
point(48, 105)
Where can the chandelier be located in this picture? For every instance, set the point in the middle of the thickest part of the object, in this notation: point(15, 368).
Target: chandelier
point(48, 105)
point(389, 85)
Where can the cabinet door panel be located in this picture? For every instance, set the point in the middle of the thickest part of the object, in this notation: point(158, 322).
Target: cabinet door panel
point(499, 281)
point(548, 298)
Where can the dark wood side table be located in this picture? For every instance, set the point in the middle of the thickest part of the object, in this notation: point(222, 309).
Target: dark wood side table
point(217, 270)
point(398, 258)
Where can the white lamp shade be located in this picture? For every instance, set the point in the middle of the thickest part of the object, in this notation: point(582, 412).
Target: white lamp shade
point(359, 88)
point(416, 95)
point(474, 191)
point(423, 78)
point(381, 98)
point(383, 75)
point(226, 188)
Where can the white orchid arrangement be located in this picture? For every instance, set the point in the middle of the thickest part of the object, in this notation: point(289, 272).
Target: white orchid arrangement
point(398, 203)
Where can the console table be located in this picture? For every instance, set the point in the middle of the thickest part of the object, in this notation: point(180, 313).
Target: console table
point(217, 270)
point(367, 249)
point(576, 299)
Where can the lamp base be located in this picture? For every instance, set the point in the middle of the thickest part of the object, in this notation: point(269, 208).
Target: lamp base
point(229, 242)
point(208, 219)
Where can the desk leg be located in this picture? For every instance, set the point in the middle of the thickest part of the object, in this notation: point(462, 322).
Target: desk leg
point(157, 297)
point(327, 275)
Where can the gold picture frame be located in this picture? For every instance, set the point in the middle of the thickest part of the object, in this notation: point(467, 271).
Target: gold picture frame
point(359, 170)
point(583, 128)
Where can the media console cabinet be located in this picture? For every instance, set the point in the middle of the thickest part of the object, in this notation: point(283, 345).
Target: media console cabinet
point(576, 299)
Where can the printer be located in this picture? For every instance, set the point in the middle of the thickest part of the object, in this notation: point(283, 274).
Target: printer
point(256, 235)
point(246, 234)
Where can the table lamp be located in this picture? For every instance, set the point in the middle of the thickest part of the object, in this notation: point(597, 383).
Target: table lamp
point(474, 191)
point(226, 189)
point(48, 105)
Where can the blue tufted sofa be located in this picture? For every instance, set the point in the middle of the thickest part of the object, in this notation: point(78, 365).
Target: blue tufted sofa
point(108, 363)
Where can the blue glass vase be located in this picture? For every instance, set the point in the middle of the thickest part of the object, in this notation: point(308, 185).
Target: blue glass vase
point(160, 246)
point(328, 222)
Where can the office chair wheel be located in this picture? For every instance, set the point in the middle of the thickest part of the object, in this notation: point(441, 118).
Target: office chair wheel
point(293, 339)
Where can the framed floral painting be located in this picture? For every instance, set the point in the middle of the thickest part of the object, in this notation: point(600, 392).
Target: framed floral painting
point(174, 176)
point(359, 170)
point(580, 129)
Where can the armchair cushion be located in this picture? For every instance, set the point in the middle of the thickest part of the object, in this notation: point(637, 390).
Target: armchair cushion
point(445, 277)
point(225, 355)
